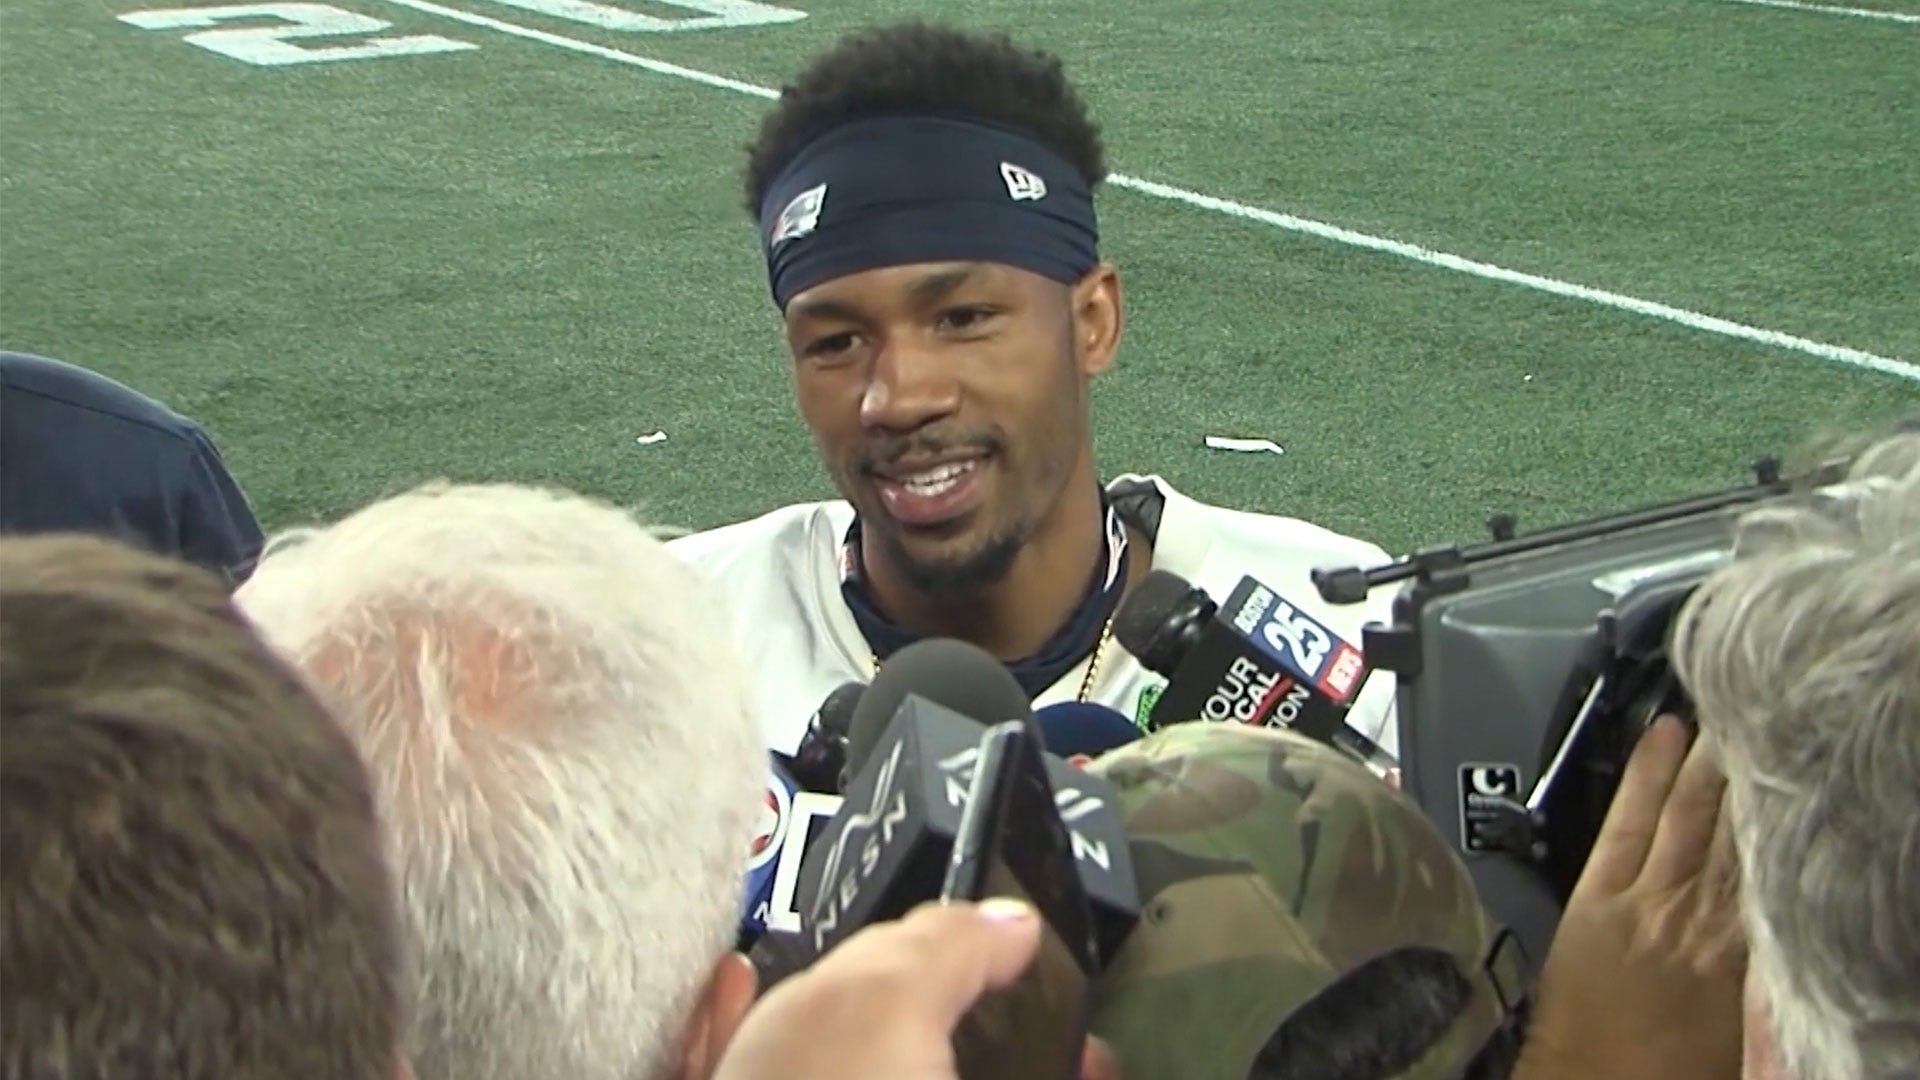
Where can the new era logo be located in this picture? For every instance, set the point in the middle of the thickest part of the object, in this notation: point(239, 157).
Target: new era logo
point(1022, 184)
point(800, 216)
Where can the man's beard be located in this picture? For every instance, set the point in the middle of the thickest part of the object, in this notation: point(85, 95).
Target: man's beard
point(956, 578)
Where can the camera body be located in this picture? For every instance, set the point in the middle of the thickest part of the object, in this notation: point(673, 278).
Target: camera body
point(1527, 667)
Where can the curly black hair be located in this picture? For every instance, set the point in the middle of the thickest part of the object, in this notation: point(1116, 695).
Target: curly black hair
point(924, 68)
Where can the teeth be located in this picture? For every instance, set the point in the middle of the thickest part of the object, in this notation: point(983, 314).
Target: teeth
point(936, 481)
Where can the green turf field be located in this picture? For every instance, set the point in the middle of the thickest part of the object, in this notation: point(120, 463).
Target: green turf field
point(502, 239)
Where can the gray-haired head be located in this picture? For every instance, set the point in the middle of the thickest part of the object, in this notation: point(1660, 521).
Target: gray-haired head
point(566, 761)
point(1803, 658)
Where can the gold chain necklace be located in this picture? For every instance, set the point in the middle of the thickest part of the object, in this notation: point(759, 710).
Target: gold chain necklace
point(1093, 667)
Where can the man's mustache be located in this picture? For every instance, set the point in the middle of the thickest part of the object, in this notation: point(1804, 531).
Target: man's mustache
point(888, 452)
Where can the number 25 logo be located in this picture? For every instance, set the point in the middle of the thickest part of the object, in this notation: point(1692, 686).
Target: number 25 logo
point(1288, 630)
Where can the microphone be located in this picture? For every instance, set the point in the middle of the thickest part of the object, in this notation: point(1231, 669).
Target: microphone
point(825, 761)
point(763, 860)
point(806, 821)
point(1074, 728)
point(962, 678)
point(887, 847)
point(792, 803)
point(1256, 660)
point(821, 758)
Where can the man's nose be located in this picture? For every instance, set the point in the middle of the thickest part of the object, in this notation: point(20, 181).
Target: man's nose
point(911, 386)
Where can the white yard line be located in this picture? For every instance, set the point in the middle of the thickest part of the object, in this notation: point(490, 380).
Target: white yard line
point(1829, 9)
point(1838, 354)
point(658, 67)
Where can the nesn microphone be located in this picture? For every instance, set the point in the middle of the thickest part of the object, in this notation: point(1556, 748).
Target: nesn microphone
point(912, 748)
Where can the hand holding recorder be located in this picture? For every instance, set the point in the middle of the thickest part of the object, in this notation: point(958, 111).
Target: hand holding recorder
point(885, 1002)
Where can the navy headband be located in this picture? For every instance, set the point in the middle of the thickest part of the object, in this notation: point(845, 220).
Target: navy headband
point(892, 190)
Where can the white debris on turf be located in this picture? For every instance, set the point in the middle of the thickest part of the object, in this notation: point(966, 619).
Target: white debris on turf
point(650, 439)
point(1243, 446)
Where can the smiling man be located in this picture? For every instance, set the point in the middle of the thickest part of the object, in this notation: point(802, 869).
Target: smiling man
point(926, 212)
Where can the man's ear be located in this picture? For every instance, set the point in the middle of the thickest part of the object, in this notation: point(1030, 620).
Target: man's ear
point(1097, 318)
point(723, 1005)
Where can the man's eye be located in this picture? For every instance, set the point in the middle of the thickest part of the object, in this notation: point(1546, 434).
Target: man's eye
point(831, 345)
point(964, 318)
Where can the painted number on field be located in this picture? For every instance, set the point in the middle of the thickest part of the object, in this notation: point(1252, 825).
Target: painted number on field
point(273, 46)
point(711, 14)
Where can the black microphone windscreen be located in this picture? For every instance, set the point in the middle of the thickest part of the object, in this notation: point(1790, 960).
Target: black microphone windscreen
point(945, 671)
point(836, 711)
point(1141, 623)
point(820, 762)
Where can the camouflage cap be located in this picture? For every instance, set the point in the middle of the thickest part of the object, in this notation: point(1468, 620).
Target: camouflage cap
point(1270, 865)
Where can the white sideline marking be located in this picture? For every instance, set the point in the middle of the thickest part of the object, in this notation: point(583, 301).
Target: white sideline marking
point(1839, 354)
point(1829, 9)
point(1885, 365)
point(660, 67)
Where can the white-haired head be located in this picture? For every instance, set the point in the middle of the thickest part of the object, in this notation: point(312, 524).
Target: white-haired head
point(566, 759)
point(1803, 659)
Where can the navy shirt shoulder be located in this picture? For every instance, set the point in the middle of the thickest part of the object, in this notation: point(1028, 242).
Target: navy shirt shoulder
point(81, 452)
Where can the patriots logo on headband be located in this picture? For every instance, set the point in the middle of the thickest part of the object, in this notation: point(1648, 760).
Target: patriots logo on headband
point(1022, 184)
point(800, 217)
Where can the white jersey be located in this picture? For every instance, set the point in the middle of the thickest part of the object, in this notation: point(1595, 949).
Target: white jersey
point(778, 577)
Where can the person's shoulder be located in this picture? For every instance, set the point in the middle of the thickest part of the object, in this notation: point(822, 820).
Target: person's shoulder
point(65, 393)
point(1217, 532)
point(1294, 540)
point(785, 529)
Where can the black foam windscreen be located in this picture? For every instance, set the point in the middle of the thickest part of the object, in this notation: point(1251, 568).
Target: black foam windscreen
point(836, 711)
point(945, 671)
point(1143, 623)
point(820, 760)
